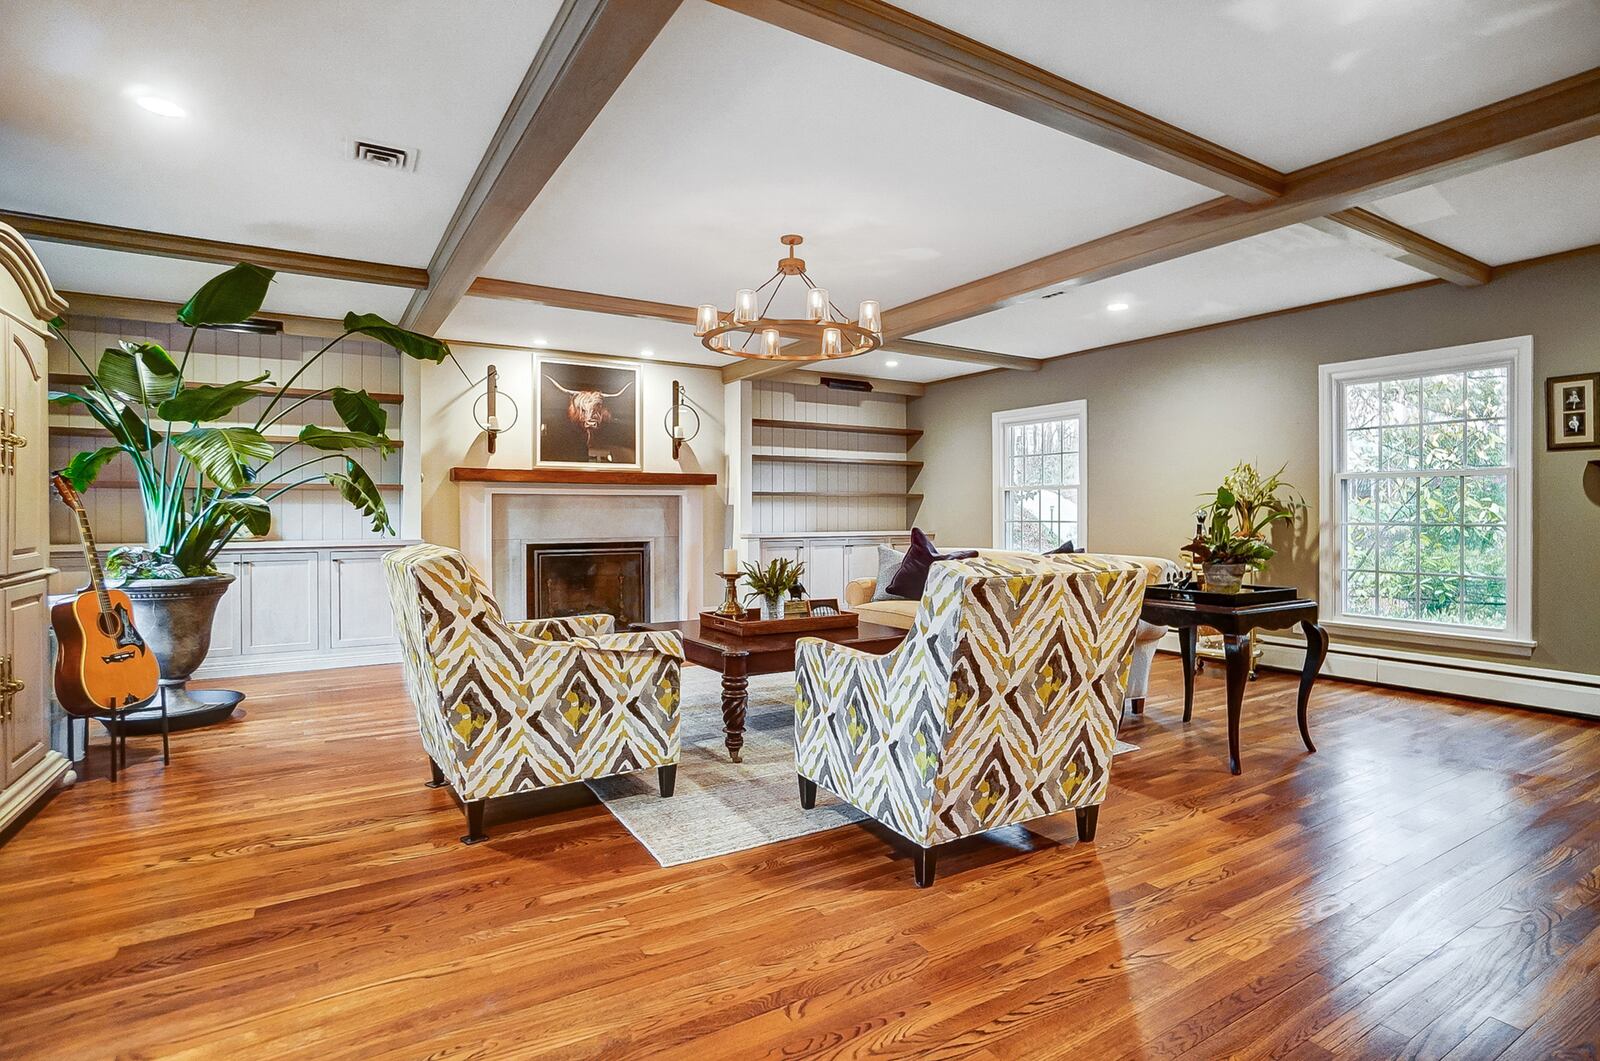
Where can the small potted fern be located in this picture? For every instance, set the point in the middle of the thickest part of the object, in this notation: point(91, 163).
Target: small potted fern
point(773, 583)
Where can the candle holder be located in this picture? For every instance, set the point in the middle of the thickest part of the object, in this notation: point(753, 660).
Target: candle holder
point(730, 604)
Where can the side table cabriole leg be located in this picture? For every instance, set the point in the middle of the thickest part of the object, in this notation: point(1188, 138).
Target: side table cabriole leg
point(735, 699)
point(1236, 653)
point(1186, 647)
point(1316, 652)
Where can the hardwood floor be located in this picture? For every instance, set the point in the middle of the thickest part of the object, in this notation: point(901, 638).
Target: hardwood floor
point(1426, 885)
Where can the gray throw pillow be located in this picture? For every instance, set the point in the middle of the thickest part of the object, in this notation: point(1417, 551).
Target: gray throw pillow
point(888, 563)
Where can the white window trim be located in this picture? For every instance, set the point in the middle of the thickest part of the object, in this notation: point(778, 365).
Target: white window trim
point(1518, 636)
point(1055, 411)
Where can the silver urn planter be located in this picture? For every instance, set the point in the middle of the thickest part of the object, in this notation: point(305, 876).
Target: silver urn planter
point(174, 617)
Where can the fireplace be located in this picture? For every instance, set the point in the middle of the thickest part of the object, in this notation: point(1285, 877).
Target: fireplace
point(581, 578)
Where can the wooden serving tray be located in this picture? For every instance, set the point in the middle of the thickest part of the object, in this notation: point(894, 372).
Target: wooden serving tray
point(752, 625)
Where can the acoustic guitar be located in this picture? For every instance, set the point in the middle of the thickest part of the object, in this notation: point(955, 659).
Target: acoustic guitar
point(102, 664)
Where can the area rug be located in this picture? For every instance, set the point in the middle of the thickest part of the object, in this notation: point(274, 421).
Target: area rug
point(720, 806)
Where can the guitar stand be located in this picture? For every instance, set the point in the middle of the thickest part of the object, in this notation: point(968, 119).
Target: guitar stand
point(116, 720)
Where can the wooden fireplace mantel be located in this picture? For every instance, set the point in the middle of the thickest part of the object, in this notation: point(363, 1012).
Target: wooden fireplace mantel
point(581, 476)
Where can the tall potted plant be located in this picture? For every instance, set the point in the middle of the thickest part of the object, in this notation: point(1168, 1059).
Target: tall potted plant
point(1232, 527)
point(199, 474)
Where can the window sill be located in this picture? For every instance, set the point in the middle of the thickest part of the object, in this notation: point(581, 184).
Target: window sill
point(1412, 635)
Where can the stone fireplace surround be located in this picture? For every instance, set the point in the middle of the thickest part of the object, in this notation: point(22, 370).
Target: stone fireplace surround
point(499, 521)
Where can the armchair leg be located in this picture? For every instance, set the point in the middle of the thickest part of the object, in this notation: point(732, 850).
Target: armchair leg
point(1137, 704)
point(438, 775)
point(808, 792)
point(668, 777)
point(926, 859)
point(1088, 820)
point(475, 833)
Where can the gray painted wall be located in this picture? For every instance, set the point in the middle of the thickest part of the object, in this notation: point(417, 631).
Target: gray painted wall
point(1167, 417)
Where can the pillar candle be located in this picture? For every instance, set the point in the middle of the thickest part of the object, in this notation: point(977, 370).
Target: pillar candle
point(730, 561)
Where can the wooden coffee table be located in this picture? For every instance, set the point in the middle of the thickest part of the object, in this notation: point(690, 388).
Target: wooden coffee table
point(737, 658)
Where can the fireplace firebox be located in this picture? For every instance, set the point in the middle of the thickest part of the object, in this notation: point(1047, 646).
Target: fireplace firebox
point(580, 578)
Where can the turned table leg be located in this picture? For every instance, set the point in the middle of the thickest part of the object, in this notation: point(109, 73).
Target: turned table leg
point(735, 699)
point(1236, 653)
point(1316, 652)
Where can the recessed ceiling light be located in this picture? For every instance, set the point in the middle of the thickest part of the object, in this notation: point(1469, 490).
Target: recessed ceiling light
point(891, 363)
point(162, 106)
point(1116, 307)
point(647, 353)
point(541, 341)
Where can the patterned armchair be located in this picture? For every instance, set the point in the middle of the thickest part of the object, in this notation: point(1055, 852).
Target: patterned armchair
point(507, 707)
point(1000, 706)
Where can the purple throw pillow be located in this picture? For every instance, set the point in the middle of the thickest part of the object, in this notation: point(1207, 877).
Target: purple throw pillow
point(1064, 547)
point(912, 576)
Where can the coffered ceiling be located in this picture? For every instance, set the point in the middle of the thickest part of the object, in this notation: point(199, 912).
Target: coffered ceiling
point(1148, 159)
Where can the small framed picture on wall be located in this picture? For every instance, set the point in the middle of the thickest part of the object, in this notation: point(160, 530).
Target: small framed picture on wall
point(589, 415)
point(1570, 411)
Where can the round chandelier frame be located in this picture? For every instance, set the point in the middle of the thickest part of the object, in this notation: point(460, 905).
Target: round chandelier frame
point(824, 334)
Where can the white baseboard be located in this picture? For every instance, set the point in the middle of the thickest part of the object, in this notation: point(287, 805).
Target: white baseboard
point(1570, 692)
point(239, 666)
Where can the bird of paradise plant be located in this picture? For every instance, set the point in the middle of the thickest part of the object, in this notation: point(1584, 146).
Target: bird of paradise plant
point(199, 477)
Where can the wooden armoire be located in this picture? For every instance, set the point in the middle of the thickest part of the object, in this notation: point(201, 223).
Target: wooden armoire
point(29, 768)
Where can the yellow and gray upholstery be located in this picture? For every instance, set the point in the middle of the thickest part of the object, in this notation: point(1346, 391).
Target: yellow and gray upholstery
point(1001, 705)
point(506, 707)
point(902, 613)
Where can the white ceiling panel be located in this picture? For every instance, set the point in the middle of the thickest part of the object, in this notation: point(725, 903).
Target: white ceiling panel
point(102, 272)
point(1536, 205)
point(487, 320)
point(1291, 82)
point(907, 368)
point(730, 133)
point(1294, 266)
point(274, 94)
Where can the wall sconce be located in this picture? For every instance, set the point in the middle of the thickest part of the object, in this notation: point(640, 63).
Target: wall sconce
point(677, 429)
point(489, 421)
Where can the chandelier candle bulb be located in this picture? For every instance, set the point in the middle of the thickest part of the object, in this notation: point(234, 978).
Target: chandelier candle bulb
point(705, 318)
point(744, 306)
point(817, 303)
point(831, 344)
point(771, 342)
point(871, 319)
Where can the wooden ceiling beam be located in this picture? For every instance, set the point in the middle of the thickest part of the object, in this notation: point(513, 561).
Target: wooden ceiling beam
point(964, 354)
point(1545, 118)
point(590, 48)
point(886, 35)
point(195, 249)
point(1416, 250)
point(562, 298)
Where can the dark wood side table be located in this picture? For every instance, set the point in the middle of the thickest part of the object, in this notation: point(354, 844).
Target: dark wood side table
point(738, 658)
point(1234, 621)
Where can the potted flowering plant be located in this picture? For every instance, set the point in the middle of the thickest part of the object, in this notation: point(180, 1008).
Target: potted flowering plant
point(1232, 527)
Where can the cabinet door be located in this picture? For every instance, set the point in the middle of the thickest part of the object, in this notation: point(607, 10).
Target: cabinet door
point(825, 569)
point(279, 602)
point(26, 620)
point(360, 598)
point(861, 560)
point(227, 628)
point(771, 550)
point(27, 532)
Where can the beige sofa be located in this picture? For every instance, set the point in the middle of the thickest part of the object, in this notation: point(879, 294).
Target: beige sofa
point(900, 614)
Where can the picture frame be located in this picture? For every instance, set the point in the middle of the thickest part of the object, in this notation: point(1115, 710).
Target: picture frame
point(590, 414)
point(1570, 411)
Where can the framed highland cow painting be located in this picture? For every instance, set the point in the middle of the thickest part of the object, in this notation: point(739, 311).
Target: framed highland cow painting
point(589, 415)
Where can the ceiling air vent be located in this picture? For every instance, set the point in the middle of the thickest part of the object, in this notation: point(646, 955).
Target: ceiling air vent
point(387, 157)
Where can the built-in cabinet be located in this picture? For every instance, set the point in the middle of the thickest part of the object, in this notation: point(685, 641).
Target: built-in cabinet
point(28, 766)
point(832, 560)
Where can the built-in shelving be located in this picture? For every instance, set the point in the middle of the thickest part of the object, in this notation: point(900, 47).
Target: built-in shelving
point(910, 433)
point(78, 379)
point(836, 493)
point(870, 462)
point(95, 430)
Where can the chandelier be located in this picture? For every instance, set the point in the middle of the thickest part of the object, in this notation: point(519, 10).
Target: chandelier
point(823, 334)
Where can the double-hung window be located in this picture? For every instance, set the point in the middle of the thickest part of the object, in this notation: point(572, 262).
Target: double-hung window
point(1039, 476)
point(1426, 493)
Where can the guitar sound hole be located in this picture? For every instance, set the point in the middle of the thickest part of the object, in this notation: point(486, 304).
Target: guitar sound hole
point(109, 625)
